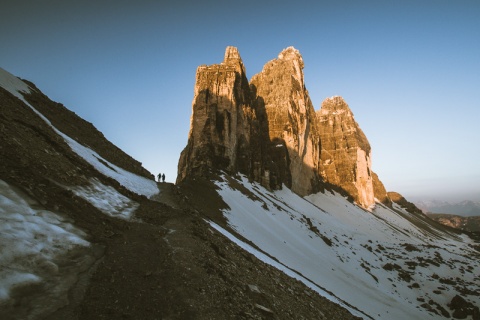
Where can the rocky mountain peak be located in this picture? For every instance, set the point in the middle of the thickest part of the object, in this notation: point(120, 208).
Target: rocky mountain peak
point(334, 104)
point(269, 130)
point(345, 153)
point(231, 53)
point(221, 121)
point(290, 53)
point(232, 58)
point(281, 93)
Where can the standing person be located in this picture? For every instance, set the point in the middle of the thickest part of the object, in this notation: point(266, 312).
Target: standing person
point(159, 177)
point(163, 177)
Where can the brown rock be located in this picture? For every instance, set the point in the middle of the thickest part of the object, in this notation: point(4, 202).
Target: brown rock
point(345, 155)
point(221, 121)
point(269, 131)
point(401, 201)
point(379, 191)
point(280, 91)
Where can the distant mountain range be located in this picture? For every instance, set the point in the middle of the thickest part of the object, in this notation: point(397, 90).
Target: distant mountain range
point(464, 208)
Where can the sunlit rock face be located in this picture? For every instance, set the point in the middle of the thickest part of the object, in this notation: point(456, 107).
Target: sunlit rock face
point(221, 121)
point(345, 152)
point(379, 191)
point(281, 94)
point(268, 130)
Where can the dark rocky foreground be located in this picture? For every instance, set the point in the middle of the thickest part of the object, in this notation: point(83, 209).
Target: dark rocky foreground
point(173, 265)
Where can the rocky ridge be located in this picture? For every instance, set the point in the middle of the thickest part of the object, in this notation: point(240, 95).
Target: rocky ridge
point(269, 131)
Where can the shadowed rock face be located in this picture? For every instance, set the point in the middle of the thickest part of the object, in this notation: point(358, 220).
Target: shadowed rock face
point(345, 155)
point(269, 131)
point(280, 90)
point(229, 128)
point(221, 122)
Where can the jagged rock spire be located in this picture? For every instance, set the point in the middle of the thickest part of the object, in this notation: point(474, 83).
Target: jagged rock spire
point(281, 92)
point(269, 130)
point(345, 153)
point(220, 126)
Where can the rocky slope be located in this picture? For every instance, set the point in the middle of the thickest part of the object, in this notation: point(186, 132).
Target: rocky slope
point(400, 200)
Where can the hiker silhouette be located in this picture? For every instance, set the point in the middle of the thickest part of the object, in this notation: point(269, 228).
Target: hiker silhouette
point(163, 177)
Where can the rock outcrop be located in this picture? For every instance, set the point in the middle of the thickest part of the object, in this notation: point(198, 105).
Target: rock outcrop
point(345, 153)
point(221, 121)
point(269, 131)
point(379, 191)
point(280, 91)
point(401, 201)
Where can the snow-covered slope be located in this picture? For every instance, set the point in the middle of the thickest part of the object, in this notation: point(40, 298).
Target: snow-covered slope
point(38, 249)
point(41, 251)
point(387, 264)
point(133, 182)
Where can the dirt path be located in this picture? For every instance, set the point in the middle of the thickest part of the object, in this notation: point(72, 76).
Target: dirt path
point(169, 195)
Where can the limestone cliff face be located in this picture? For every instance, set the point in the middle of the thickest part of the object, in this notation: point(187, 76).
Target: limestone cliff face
point(281, 94)
point(221, 121)
point(345, 153)
point(269, 131)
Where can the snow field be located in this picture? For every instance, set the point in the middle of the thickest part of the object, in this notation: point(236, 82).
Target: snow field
point(343, 248)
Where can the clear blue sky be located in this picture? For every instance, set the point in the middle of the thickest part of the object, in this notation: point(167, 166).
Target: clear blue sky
point(410, 71)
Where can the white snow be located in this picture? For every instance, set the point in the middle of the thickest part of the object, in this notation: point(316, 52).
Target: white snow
point(131, 181)
point(343, 248)
point(30, 239)
point(107, 199)
point(263, 257)
point(13, 84)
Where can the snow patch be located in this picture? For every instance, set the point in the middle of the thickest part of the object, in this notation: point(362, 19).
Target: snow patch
point(30, 239)
point(131, 181)
point(107, 199)
point(13, 84)
point(291, 273)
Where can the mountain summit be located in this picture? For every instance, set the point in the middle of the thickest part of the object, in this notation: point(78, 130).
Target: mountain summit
point(345, 153)
point(269, 131)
